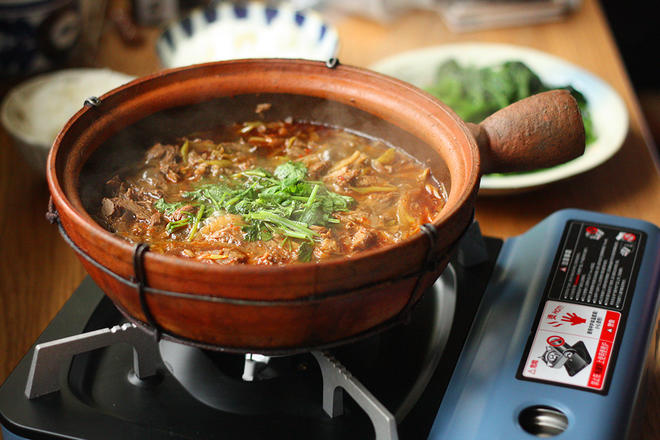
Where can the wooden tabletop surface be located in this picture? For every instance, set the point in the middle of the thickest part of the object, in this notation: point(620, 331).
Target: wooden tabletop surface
point(39, 272)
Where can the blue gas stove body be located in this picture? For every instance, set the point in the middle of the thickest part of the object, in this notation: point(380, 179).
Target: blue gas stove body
point(560, 341)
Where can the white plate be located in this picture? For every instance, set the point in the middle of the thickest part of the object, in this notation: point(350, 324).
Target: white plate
point(607, 109)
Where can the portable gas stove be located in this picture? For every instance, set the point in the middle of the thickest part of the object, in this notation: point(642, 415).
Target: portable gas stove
point(545, 334)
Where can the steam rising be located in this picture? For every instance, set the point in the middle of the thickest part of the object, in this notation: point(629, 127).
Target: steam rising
point(129, 144)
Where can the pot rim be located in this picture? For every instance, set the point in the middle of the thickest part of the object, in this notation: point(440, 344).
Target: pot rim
point(81, 218)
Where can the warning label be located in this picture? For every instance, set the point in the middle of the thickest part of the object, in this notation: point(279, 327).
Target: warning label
point(582, 315)
point(595, 266)
point(572, 345)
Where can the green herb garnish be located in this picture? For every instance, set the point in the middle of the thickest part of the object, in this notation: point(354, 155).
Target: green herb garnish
point(168, 209)
point(282, 202)
point(305, 252)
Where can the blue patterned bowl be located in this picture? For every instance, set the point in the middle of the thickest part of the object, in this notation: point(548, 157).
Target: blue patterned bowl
point(37, 35)
point(253, 30)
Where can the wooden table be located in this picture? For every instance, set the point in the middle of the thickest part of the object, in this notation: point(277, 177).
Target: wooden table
point(39, 272)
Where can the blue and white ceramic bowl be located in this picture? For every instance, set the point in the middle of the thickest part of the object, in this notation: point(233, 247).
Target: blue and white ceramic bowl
point(253, 30)
point(37, 35)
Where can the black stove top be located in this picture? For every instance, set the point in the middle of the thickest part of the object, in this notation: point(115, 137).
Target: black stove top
point(200, 394)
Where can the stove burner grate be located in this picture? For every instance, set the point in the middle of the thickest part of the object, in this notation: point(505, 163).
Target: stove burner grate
point(214, 387)
point(110, 392)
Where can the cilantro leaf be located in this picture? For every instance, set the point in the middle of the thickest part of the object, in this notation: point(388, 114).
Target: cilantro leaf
point(305, 252)
point(291, 173)
point(282, 203)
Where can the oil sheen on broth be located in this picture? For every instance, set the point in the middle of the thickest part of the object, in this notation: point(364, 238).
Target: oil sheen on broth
point(270, 193)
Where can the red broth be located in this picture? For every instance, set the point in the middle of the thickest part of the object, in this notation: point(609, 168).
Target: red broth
point(270, 193)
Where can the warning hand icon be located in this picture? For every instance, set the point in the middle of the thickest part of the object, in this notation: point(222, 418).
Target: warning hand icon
point(573, 319)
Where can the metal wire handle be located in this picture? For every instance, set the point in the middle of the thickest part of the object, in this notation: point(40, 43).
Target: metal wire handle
point(139, 283)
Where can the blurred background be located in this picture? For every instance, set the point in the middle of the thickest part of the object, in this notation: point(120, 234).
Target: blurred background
point(56, 53)
point(38, 36)
point(636, 35)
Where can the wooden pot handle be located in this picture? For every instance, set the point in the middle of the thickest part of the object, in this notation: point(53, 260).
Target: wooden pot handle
point(536, 132)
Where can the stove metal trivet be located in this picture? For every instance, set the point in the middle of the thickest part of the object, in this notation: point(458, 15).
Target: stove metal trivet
point(49, 357)
point(337, 378)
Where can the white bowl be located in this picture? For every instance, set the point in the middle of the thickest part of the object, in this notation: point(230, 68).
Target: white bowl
point(252, 30)
point(34, 111)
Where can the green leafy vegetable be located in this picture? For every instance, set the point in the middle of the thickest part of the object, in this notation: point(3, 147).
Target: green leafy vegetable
point(171, 226)
point(169, 208)
point(198, 217)
point(282, 202)
point(476, 93)
point(305, 252)
point(291, 173)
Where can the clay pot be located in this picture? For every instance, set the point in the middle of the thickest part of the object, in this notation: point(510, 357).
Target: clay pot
point(289, 307)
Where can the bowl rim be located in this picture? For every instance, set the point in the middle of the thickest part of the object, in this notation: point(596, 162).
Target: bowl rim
point(10, 99)
point(461, 192)
point(166, 47)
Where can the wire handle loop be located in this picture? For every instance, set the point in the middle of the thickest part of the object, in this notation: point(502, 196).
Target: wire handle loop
point(141, 280)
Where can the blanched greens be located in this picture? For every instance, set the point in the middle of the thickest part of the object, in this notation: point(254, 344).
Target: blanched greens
point(475, 93)
point(281, 202)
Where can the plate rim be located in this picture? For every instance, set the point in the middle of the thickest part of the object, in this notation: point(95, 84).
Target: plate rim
point(596, 154)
